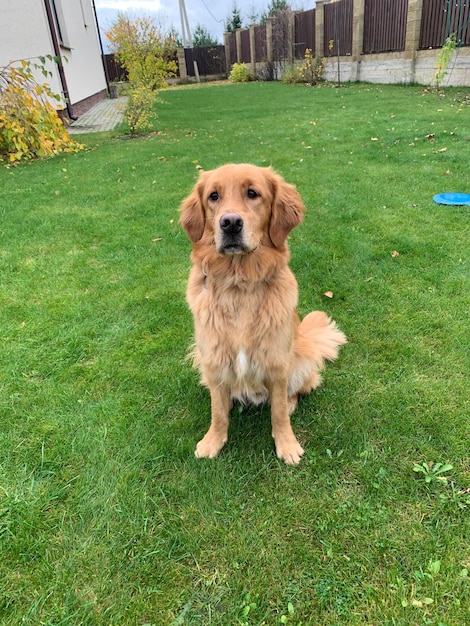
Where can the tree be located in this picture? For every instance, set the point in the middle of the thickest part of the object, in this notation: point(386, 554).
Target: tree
point(234, 22)
point(275, 9)
point(147, 55)
point(281, 12)
point(202, 37)
point(143, 50)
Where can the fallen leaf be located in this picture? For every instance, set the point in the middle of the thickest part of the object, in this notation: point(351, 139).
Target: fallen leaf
point(395, 254)
point(374, 138)
point(328, 294)
point(157, 239)
point(443, 150)
point(447, 173)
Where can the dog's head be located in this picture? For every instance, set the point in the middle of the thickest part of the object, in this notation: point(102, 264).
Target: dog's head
point(239, 207)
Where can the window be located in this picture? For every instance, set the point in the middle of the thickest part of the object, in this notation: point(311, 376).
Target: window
point(59, 21)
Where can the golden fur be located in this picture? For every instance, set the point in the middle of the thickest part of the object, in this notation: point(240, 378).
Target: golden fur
point(249, 342)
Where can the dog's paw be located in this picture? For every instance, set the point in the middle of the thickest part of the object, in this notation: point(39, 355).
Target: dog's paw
point(209, 446)
point(289, 450)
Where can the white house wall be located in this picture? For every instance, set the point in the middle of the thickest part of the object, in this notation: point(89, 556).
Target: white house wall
point(25, 33)
point(84, 67)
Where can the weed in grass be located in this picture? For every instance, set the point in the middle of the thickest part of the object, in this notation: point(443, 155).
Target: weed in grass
point(433, 472)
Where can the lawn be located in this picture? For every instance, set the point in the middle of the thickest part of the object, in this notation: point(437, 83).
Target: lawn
point(106, 517)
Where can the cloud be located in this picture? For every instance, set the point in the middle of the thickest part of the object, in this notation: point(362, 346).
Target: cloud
point(124, 5)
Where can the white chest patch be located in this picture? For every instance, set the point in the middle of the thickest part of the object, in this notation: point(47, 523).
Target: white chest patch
point(242, 363)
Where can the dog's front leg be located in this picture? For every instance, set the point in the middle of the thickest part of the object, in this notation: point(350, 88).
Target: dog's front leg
point(215, 438)
point(288, 448)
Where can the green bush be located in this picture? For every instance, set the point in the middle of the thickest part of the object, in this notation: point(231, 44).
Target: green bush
point(310, 72)
point(29, 124)
point(292, 76)
point(240, 73)
point(312, 69)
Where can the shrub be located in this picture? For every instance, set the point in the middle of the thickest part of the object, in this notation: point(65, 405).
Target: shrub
point(312, 69)
point(29, 124)
point(442, 60)
point(240, 73)
point(292, 76)
point(310, 72)
point(139, 110)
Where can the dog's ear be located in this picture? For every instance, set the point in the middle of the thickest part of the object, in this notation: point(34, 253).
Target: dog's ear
point(286, 212)
point(193, 216)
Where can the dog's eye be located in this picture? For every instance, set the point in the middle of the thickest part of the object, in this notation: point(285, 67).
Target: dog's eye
point(214, 196)
point(251, 193)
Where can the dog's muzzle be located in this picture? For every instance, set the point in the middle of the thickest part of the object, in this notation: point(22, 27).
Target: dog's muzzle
point(231, 228)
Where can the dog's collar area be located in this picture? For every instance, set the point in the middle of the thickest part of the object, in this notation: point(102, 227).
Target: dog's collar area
point(245, 253)
point(238, 251)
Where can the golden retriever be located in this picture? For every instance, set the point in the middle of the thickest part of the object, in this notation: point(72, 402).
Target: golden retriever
point(250, 344)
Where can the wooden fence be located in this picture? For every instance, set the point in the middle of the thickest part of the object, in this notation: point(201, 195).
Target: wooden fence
point(210, 61)
point(338, 28)
point(384, 25)
point(440, 19)
point(114, 70)
point(384, 29)
point(358, 29)
point(354, 29)
point(304, 29)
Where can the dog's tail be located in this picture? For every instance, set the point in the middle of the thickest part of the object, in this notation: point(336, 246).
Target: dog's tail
point(317, 339)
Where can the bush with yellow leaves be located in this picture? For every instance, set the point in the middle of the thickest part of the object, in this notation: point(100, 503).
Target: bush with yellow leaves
point(29, 124)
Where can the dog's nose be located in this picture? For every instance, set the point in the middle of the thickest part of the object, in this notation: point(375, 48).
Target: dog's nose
point(231, 223)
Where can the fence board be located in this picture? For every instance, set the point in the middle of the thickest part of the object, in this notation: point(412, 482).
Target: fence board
point(338, 28)
point(441, 18)
point(210, 60)
point(245, 42)
point(261, 44)
point(384, 25)
point(114, 70)
point(304, 24)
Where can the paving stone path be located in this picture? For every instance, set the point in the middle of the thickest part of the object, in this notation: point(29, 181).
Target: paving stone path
point(105, 115)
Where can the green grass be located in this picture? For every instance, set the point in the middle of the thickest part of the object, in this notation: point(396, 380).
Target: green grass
point(106, 517)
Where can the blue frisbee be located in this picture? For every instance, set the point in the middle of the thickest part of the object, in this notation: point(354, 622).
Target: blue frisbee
point(452, 197)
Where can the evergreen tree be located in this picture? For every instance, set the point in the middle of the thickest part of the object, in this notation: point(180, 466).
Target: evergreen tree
point(234, 21)
point(275, 9)
point(202, 37)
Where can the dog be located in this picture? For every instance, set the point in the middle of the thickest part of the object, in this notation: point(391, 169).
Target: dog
point(250, 344)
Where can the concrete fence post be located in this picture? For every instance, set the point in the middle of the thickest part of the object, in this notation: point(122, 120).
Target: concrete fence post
point(319, 28)
point(269, 40)
point(357, 38)
point(413, 28)
point(182, 65)
point(253, 49)
point(238, 38)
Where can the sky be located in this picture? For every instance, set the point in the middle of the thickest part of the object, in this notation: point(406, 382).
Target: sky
point(208, 13)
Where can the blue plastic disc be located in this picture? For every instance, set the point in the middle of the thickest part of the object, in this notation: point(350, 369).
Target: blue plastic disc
point(452, 197)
